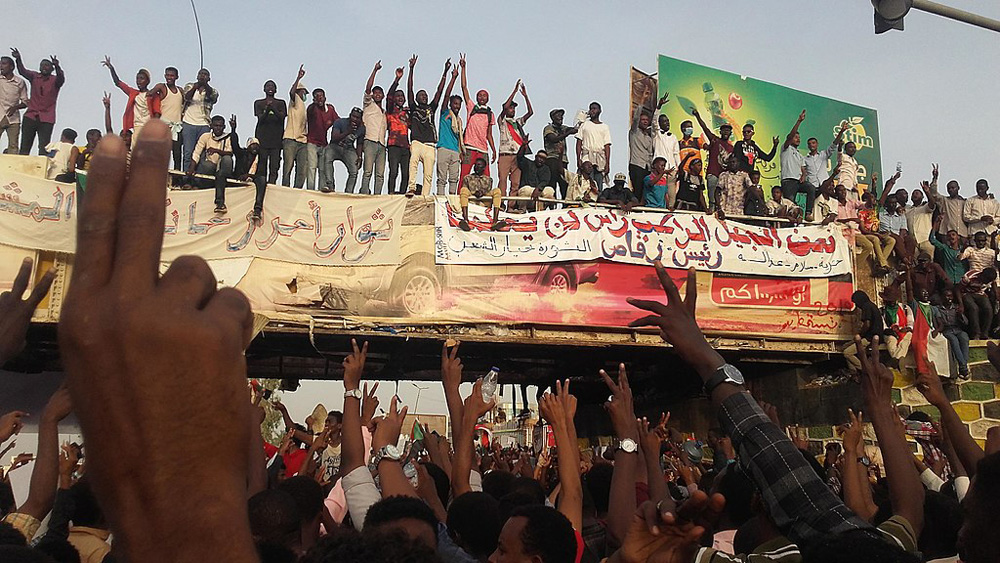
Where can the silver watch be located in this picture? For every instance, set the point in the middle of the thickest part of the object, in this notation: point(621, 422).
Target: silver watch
point(628, 446)
point(389, 452)
point(353, 394)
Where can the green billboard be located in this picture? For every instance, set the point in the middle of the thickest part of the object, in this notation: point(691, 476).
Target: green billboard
point(725, 97)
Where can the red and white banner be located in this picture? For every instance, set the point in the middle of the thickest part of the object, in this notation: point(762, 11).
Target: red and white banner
point(677, 240)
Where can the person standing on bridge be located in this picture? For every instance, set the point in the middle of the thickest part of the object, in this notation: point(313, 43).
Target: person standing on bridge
point(199, 99)
point(141, 105)
point(423, 135)
point(40, 118)
point(13, 98)
point(171, 106)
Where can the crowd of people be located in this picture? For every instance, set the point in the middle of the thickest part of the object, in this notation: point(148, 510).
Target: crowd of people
point(191, 479)
point(476, 153)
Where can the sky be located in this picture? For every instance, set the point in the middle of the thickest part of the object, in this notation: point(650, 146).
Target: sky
point(931, 84)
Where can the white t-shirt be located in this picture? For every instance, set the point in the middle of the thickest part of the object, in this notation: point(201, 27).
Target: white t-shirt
point(58, 153)
point(593, 137)
point(918, 222)
point(667, 146)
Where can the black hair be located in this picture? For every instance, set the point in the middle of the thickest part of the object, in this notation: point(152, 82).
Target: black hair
point(988, 275)
point(530, 487)
point(58, 548)
point(308, 495)
point(219, 118)
point(173, 68)
point(812, 139)
point(598, 104)
point(455, 97)
point(860, 297)
point(318, 90)
point(274, 517)
point(397, 508)
point(497, 483)
point(512, 501)
point(69, 134)
point(89, 131)
point(7, 59)
point(442, 484)
point(547, 534)
point(686, 122)
point(757, 172)
point(853, 546)
point(379, 88)
point(345, 544)
point(474, 520)
point(659, 158)
point(9, 535)
point(22, 554)
point(942, 519)
point(738, 490)
point(298, 426)
point(336, 414)
point(483, 160)
point(598, 482)
point(86, 511)
point(273, 553)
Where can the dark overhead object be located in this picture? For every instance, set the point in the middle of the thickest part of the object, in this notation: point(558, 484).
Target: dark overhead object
point(889, 14)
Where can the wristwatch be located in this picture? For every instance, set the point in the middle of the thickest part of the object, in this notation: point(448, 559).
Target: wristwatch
point(389, 452)
point(353, 394)
point(628, 445)
point(864, 460)
point(727, 373)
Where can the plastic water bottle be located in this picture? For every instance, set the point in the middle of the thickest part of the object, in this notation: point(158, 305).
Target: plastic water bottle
point(490, 384)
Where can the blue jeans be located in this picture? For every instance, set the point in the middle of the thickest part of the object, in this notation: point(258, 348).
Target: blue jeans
point(189, 138)
point(374, 161)
point(312, 165)
point(350, 159)
point(295, 153)
point(958, 341)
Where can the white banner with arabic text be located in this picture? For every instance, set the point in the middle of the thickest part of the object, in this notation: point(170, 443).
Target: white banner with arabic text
point(677, 240)
point(305, 227)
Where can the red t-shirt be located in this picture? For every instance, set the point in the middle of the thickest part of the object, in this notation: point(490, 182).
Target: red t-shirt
point(318, 122)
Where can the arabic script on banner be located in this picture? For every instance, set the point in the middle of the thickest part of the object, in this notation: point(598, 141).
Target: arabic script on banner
point(298, 226)
point(677, 240)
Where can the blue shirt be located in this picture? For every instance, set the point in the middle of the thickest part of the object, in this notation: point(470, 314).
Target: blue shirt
point(816, 165)
point(446, 135)
point(655, 195)
point(343, 125)
point(891, 223)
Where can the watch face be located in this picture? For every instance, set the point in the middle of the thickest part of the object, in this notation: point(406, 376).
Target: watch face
point(628, 445)
point(733, 374)
point(865, 461)
point(392, 452)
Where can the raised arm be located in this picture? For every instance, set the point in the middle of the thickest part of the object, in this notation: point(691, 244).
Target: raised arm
point(20, 65)
point(639, 108)
point(651, 441)
point(704, 127)
point(968, 451)
point(451, 83)
point(114, 76)
point(60, 75)
point(108, 127)
point(559, 410)
point(295, 85)
point(854, 478)
point(527, 103)
point(390, 472)
point(440, 88)
point(45, 475)
point(351, 439)
point(473, 409)
point(931, 194)
point(409, 84)
point(837, 140)
point(392, 88)
point(621, 503)
point(795, 129)
point(465, 85)
point(774, 149)
point(905, 489)
point(511, 97)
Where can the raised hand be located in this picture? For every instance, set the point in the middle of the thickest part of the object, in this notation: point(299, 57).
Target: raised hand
point(11, 424)
point(399, 73)
point(302, 71)
point(107, 100)
point(369, 403)
point(854, 432)
point(649, 438)
point(776, 140)
point(524, 91)
point(451, 366)
point(54, 59)
point(354, 365)
point(15, 313)
point(447, 64)
point(934, 170)
point(929, 385)
point(387, 431)
point(475, 407)
point(15, 53)
point(802, 116)
point(461, 60)
point(107, 62)
point(378, 65)
point(129, 338)
point(232, 122)
point(454, 72)
point(413, 60)
point(676, 318)
point(620, 405)
point(876, 379)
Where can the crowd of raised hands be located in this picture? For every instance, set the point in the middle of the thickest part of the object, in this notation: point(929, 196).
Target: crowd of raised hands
point(176, 468)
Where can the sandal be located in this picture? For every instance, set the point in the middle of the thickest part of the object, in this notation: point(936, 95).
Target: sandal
point(221, 209)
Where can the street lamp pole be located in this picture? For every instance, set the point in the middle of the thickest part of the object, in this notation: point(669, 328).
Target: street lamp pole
point(893, 11)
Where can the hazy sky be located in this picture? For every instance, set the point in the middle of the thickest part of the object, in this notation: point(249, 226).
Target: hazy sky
point(931, 84)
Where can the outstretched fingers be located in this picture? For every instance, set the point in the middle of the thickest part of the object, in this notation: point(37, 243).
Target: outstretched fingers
point(97, 226)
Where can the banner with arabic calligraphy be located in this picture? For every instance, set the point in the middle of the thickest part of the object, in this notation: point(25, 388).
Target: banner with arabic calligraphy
point(723, 97)
point(677, 240)
point(298, 226)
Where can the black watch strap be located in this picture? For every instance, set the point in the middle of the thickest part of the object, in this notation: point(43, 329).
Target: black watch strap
point(717, 379)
